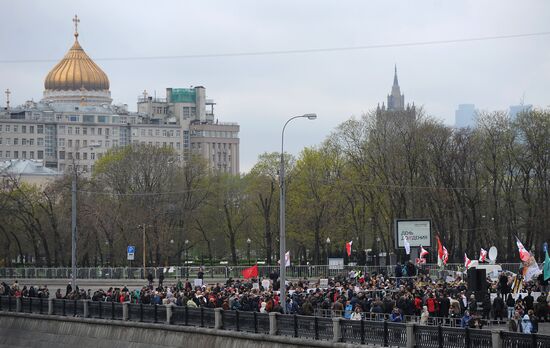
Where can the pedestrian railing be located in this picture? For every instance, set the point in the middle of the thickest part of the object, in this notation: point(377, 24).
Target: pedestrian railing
point(215, 272)
point(380, 332)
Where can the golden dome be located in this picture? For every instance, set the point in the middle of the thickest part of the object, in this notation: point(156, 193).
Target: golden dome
point(76, 71)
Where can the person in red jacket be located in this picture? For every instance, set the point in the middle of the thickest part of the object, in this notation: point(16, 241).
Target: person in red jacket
point(431, 303)
point(417, 305)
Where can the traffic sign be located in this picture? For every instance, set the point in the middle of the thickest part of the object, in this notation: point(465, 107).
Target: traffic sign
point(131, 252)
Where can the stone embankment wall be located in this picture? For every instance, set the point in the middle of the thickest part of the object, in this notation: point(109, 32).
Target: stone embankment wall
point(40, 331)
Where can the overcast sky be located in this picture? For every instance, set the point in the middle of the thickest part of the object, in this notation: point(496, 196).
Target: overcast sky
point(261, 92)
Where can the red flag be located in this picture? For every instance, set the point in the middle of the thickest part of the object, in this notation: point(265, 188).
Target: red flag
point(523, 253)
point(348, 247)
point(482, 255)
point(423, 252)
point(467, 261)
point(442, 254)
point(250, 272)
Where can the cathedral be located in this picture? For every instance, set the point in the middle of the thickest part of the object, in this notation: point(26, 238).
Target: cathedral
point(76, 122)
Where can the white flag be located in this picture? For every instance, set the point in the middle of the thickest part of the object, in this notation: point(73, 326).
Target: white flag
point(407, 245)
point(287, 259)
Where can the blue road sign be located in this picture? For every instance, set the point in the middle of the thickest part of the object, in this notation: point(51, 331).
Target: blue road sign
point(131, 249)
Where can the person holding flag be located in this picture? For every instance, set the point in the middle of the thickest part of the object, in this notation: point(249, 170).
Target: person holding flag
point(546, 269)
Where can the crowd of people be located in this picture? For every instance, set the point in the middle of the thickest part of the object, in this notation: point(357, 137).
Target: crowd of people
point(354, 296)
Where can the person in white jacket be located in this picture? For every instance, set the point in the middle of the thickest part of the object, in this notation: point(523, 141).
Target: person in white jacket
point(357, 315)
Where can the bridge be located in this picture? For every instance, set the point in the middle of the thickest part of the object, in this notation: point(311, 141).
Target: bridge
point(33, 322)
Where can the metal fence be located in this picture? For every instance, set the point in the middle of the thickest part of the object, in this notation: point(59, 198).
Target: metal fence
point(380, 332)
point(213, 272)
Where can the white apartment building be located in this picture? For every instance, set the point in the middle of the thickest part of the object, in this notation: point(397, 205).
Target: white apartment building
point(75, 123)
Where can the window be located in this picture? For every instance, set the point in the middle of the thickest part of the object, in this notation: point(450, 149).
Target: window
point(172, 145)
point(15, 154)
point(100, 143)
point(70, 155)
point(107, 143)
point(31, 142)
point(76, 130)
point(70, 143)
point(92, 131)
point(178, 146)
point(102, 119)
point(107, 131)
point(164, 133)
point(40, 141)
point(8, 154)
point(88, 118)
point(31, 129)
point(85, 156)
point(164, 144)
point(15, 141)
point(77, 155)
point(0, 141)
point(40, 129)
point(77, 143)
point(150, 132)
point(31, 154)
point(7, 128)
point(84, 130)
point(69, 130)
point(73, 118)
point(62, 130)
point(8, 141)
point(157, 132)
point(40, 154)
point(61, 142)
point(24, 154)
point(92, 156)
point(61, 155)
point(99, 131)
point(15, 129)
point(24, 142)
point(23, 129)
point(115, 143)
point(84, 143)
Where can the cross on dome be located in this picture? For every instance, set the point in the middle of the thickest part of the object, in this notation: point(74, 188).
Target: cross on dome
point(76, 20)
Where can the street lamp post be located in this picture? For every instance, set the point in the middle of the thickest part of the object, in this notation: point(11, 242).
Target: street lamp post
point(328, 250)
point(73, 217)
point(186, 266)
point(248, 241)
point(282, 244)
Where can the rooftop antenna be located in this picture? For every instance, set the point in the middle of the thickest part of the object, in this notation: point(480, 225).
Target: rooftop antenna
point(7, 98)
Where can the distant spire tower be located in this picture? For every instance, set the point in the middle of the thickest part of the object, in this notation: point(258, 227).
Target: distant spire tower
point(396, 100)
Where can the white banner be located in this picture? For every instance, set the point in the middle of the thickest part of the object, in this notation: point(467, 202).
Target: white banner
point(417, 233)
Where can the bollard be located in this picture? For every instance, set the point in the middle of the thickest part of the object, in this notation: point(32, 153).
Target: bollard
point(18, 304)
point(218, 319)
point(273, 323)
point(125, 308)
point(86, 304)
point(168, 314)
point(496, 339)
point(411, 342)
point(337, 333)
point(50, 306)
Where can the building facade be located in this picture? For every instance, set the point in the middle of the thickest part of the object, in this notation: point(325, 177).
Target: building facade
point(76, 122)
